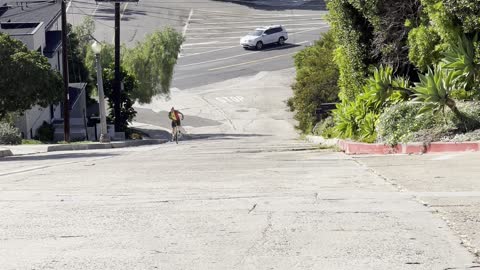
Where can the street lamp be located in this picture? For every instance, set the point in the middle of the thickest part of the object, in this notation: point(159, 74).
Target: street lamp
point(97, 48)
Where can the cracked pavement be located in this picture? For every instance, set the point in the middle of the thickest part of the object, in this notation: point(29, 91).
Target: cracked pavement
point(217, 204)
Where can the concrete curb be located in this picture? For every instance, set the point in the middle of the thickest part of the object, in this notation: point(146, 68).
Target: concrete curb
point(96, 146)
point(356, 148)
point(5, 153)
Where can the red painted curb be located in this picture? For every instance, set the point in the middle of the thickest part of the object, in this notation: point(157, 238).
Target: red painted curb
point(356, 148)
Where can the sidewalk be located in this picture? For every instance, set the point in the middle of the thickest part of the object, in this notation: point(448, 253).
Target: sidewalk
point(153, 135)
point(447, 183)
point(20, 150)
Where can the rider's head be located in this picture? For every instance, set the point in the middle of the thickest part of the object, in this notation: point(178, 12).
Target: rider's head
point(173, 109)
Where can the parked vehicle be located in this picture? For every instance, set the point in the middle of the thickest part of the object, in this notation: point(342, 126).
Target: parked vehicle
point(263, 36)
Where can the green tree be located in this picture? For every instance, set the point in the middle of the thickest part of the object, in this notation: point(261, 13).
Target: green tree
point(130, 85)
point(26, 78)
point(466, 12)
point(353, 34)
point(316, 81)
point(77, 69)
point(152, 63)
point(84, 32)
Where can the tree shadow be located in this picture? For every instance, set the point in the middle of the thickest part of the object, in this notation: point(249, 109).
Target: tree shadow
point(160, 119)
point(56, 156)
point(108, 14)
point(219, 136)
point(279, 5)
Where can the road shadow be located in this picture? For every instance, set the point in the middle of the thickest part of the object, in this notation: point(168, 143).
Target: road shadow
point(108, 14)
point(160, 119)
point(56, 156)
point(276, 47)
point(153, 133)
point(279, 5)
point(219, 136)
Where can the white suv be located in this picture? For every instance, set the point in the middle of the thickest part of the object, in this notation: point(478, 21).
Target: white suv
point(263, 36)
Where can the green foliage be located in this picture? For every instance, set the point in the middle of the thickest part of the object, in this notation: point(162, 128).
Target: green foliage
point(467, 12)
point(357, 119)
point(77, 69)
point(26, 78)
point(127, 113)
point(470, 116)
point(424, 50)
point(434, 89)
point(30, 142)
point(316, 82)
point(107, 58)
point(398, 123)
point(352, 33)
point(325, 128)
point(403, 123)
point(461, 59)
point(46, 132)
point(152, 62)
point(83, 33)
point(9, 134)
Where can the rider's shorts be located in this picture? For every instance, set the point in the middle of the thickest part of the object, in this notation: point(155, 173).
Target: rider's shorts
point(175, 123)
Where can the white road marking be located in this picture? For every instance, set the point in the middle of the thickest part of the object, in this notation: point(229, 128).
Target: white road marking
point(234, 99)
point(252, 62)
point(123, 13)
point(185, 32)
point(235, 56)
point(244, 32)
point(121, 16)
point(96, 8)
point(216, 50)
point(187, 23)
point(267, 22)
point(253, 27)
point(290, 33)
point(208, 43)
point(69, 4)
point(258, 14)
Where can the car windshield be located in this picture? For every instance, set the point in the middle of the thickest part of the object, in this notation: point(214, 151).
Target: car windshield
point(256, 33)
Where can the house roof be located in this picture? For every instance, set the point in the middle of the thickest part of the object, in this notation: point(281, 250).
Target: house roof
point(47, 11)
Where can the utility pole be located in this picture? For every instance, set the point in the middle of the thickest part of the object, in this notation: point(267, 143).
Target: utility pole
point(117, 82)
point(66, 103)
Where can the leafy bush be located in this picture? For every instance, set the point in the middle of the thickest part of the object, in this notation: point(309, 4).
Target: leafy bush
point(325, 128)
point(435, 134)
point(470, 116)
point(398, 123)
point(46, 132)
point(465, 137)
point(424, 50)
point(357, 119)
point(403, 123)
point(316, 82)
point(9, 134)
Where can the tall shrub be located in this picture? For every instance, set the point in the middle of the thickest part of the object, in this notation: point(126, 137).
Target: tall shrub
point(316, 81)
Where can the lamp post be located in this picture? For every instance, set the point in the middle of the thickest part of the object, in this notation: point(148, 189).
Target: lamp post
point(97, 48)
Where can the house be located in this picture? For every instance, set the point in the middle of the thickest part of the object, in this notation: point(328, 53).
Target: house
point(38, 25)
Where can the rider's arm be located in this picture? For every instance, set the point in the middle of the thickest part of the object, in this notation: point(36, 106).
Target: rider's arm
point(181, 114)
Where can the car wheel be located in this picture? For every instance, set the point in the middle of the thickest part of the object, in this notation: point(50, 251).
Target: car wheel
point(259, 45)
point(281, 41)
